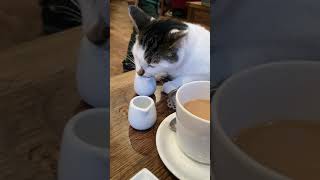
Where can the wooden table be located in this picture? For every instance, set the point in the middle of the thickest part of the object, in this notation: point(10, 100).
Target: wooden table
point(37, 96)
point(198, 13)
point(132, 150)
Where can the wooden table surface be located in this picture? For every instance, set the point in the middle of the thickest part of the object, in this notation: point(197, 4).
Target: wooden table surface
point(132, 150)
point(198, 13)
point(37, 96)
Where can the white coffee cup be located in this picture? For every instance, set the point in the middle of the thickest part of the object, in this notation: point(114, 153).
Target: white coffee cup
point(142, 112)
point(193, 133)
point(84, 150)
point(276, 91)
point(92, 74)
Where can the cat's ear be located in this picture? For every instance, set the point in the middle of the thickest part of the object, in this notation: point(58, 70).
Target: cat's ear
point(139, 18)
point(175, 35)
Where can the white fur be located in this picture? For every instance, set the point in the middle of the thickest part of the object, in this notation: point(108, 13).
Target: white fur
point(193, 63)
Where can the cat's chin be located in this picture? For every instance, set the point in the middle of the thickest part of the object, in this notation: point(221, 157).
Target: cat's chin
point(162, 77)
point(157, 77)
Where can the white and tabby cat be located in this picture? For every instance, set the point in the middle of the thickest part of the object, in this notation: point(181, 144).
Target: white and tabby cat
point(176, 49)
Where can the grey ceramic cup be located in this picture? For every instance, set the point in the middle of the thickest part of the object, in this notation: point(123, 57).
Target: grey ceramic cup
point(92, 73)
point(277, 91)
point(84, 153)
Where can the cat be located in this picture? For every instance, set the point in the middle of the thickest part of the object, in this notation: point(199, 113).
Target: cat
point(171, 48)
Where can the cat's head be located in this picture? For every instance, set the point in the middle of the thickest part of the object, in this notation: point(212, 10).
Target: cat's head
point(95, 21)
point(156, 50)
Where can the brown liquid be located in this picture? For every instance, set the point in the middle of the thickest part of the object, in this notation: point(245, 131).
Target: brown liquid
point(199, 107)
point(289, 147)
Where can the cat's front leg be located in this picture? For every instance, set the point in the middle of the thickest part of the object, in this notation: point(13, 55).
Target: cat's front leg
point(175, 84)
point(169, 86)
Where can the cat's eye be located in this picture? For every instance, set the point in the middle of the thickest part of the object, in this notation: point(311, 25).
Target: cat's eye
point(151, 66)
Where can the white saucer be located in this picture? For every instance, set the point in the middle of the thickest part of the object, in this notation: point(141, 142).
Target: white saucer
point(174, 159)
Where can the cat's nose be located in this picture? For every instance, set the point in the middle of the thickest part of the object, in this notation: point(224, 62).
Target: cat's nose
point(140, 72)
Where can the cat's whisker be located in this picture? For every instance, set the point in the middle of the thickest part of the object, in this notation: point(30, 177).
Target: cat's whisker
point(130, 59)
point(74, 19)
point(70, 14)
point(69, 10)
point(76, 3)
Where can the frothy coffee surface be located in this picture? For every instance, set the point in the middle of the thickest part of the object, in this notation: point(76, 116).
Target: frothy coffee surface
point(289, 147)
point(199, 108)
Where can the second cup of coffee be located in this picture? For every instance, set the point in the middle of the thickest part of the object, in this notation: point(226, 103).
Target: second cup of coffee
point(142, 113)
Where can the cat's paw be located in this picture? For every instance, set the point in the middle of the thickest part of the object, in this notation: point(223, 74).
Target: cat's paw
point(162, 77)
point(169, 87)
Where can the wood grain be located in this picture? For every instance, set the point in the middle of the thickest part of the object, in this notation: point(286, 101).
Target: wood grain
point(120, 33)
point(198, 13)
point(132, 150)
point(37, 96)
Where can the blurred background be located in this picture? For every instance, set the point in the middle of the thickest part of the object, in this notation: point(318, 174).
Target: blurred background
point(25, 20)
point(37, 73)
